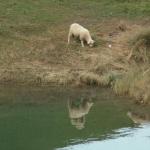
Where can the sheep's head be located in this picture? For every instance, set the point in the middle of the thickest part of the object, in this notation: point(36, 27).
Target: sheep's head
point(91, 43)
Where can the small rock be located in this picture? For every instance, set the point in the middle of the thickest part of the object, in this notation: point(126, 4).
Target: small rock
point(109, 46)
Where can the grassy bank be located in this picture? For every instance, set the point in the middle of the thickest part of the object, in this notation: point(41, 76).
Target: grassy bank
point(33, 49)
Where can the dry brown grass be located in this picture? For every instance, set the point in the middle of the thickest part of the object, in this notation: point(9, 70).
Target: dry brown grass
point(140, 46)
point(46, 58)
point(90, 78)
point(136, 84)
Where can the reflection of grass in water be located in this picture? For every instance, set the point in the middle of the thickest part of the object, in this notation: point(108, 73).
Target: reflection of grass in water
point(79, 102)
point(76, 103)
point(47, 124)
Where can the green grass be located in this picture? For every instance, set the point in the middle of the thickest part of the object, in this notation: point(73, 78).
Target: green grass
point(29, 27)
point(55, 10)
point(30, 17)
point(59, 11)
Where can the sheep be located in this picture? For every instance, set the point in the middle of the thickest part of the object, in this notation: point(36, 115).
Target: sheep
point(82, 33)
point(78, 109)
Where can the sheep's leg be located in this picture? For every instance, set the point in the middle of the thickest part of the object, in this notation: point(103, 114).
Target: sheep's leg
point(69, 36)
point(82, 43)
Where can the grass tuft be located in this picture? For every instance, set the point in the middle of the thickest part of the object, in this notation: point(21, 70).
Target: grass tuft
point(135, 83)
point(140, 46)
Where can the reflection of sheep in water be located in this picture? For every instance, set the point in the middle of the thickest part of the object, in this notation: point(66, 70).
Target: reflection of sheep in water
point(138, 119)
point(82, 33)
point(77, 111)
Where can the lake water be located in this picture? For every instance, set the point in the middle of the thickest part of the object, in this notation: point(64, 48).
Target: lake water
point(69, 119)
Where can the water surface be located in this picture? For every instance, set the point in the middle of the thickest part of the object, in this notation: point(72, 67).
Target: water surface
point(69, 119)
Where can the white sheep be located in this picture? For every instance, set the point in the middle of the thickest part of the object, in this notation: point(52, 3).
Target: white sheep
point(80, 32)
